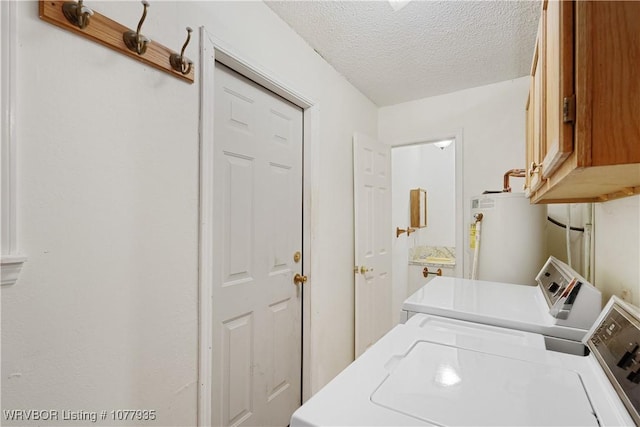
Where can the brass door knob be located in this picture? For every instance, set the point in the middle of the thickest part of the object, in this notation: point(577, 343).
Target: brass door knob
point(299, 279)
point(364, 269)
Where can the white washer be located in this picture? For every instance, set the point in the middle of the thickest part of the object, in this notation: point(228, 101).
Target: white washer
point(443, 372)
point(562, 307)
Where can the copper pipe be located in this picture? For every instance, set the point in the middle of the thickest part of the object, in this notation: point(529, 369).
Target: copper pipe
point(516, 173)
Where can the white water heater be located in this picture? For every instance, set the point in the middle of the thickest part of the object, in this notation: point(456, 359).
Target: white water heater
point(509, 242)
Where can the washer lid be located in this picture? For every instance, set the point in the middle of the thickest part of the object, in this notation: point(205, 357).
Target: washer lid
point(499, 304)
point(480, 298)
point(449, 386)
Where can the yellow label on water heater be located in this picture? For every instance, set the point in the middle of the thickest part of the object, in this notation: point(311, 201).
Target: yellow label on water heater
point(472, 236)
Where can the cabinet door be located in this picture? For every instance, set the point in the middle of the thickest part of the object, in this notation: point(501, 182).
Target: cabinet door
point(559, 99)
point(529, 140)
point(608, 44)
point(535, 114)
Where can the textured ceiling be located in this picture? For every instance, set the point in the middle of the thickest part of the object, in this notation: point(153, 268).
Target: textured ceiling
point(425, 49)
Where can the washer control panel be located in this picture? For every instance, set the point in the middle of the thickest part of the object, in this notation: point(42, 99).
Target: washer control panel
point(615, 342)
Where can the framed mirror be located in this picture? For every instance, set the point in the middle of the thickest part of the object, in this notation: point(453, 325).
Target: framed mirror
point(418, 203)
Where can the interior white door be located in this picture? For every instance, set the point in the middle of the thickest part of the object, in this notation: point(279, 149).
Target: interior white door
point(372, 195)
point(257, 323)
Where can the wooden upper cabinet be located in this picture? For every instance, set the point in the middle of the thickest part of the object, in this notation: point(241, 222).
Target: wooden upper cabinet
point(589, 139)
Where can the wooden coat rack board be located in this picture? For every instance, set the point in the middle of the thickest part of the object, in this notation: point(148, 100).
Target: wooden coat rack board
point(109, 33)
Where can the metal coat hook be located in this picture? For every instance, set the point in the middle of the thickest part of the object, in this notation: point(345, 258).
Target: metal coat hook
point(181, 63)
point(76, 13)
point(135, 41)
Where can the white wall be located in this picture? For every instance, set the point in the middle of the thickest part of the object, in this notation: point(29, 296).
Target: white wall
point(617, 248)
point(436, 174)
point(433, 169)
point(556, 235)
point(492, 121)
point(616, 236)
point(104, 315)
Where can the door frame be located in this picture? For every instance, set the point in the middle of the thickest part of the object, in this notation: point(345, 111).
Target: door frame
point(212, 50)
point(458, 136)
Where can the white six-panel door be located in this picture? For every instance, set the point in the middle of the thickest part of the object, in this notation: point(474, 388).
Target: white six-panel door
point(372, 199)
point(257, 329)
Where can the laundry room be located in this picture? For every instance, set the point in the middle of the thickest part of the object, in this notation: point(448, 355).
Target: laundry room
point(140, 207)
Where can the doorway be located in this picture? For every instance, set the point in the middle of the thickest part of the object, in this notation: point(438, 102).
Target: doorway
point(372, 243)
point(226, 339)
point(436, 168)
point(257, 307)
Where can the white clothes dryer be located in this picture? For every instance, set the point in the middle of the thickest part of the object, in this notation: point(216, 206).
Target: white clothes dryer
point(443, 372)
point(562, 307)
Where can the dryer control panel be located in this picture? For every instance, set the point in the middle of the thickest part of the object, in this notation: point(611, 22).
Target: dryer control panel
point(571, 299)
point(554, 280)
point(615, 342)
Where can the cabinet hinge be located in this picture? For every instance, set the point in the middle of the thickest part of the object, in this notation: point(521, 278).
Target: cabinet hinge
point(569, 109)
